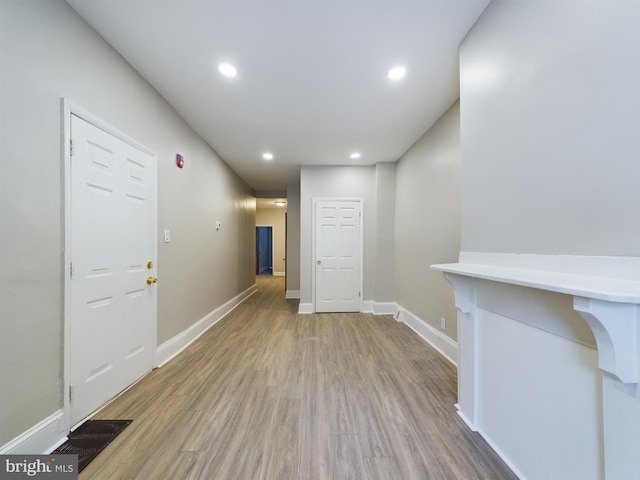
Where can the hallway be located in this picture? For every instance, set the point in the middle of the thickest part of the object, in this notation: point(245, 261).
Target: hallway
point(270, 394)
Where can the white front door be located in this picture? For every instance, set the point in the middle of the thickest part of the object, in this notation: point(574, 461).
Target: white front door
point(338, 247)
point(112, 240)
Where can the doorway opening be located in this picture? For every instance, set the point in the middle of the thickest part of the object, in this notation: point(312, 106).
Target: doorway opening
point(264, 250)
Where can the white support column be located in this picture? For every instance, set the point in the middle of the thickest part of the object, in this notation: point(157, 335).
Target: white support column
point(467, 349)
point(615, 327)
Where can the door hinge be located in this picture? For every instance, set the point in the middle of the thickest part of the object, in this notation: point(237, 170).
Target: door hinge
point(359, 294)
point(71, 269)
point(70, 393)
point(71, 147)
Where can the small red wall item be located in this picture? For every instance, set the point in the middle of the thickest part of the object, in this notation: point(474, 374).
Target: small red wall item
point(179, 160)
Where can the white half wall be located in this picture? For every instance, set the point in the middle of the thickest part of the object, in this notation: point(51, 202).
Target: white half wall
point(539, 400)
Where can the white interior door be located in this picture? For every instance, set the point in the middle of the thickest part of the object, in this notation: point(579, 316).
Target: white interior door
point(338, 255)
point(113, 237)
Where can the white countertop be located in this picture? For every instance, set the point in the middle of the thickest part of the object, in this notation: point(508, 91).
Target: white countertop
point(589, 286)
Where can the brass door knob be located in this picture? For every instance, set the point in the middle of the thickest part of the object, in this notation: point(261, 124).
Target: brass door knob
point(151, 280)
point(319, 262)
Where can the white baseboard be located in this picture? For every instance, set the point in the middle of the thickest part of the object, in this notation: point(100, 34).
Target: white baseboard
point(464, 418)
point(379, 308)
point(42, 438)
point(438, 340)
point(292, 294)
point(385, 308)
point(175, 345)
point(279, 274)
point(367, 306)
point(305, 308)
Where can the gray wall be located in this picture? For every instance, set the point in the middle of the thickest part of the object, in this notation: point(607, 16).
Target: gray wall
point(342, 182)
point(48, 52)
point(375, 184)
point(293, 237)
point(427, 223)
point(550, 109)
point(385, 232)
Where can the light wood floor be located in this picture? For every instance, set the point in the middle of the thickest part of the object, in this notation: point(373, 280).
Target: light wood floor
point(269, 394)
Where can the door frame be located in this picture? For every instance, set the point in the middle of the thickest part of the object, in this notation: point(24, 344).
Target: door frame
point(68, 108)
point(273, 248)
point(314, 202)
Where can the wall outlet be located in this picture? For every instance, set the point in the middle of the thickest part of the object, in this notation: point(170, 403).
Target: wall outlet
point(443, 323)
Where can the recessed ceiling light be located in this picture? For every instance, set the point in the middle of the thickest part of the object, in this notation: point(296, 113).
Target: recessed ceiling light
point(354, 155)
point(267, 156)
point(227, 70)
point(396, 73)
point(280, 204)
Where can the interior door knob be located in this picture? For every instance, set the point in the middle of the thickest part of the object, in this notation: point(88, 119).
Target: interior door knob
point(151, 280)
point(319, 262)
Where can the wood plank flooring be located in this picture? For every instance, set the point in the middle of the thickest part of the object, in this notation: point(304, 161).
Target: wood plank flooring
point(271, 395)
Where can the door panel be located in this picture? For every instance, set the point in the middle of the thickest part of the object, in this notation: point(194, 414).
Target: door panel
point(338, 256)
point(112, 231)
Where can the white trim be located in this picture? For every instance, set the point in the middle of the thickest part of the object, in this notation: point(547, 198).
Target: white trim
point(292, 294)
point(305, 308)
point(613, 279)
point(314, 200)
point(177, 344)
point(464, 418)
point(44, 437)
point(438, 340)
point(605, 290)
point(71, 108)
point(279, 274)
point(379, 308)
point(367, 306)
point(67, 109)
point(385, 308)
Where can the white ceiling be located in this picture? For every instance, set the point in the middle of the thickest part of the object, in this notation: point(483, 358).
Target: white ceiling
point(312, 82)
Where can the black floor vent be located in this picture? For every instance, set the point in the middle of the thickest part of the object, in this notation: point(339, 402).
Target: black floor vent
point(90, 438)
